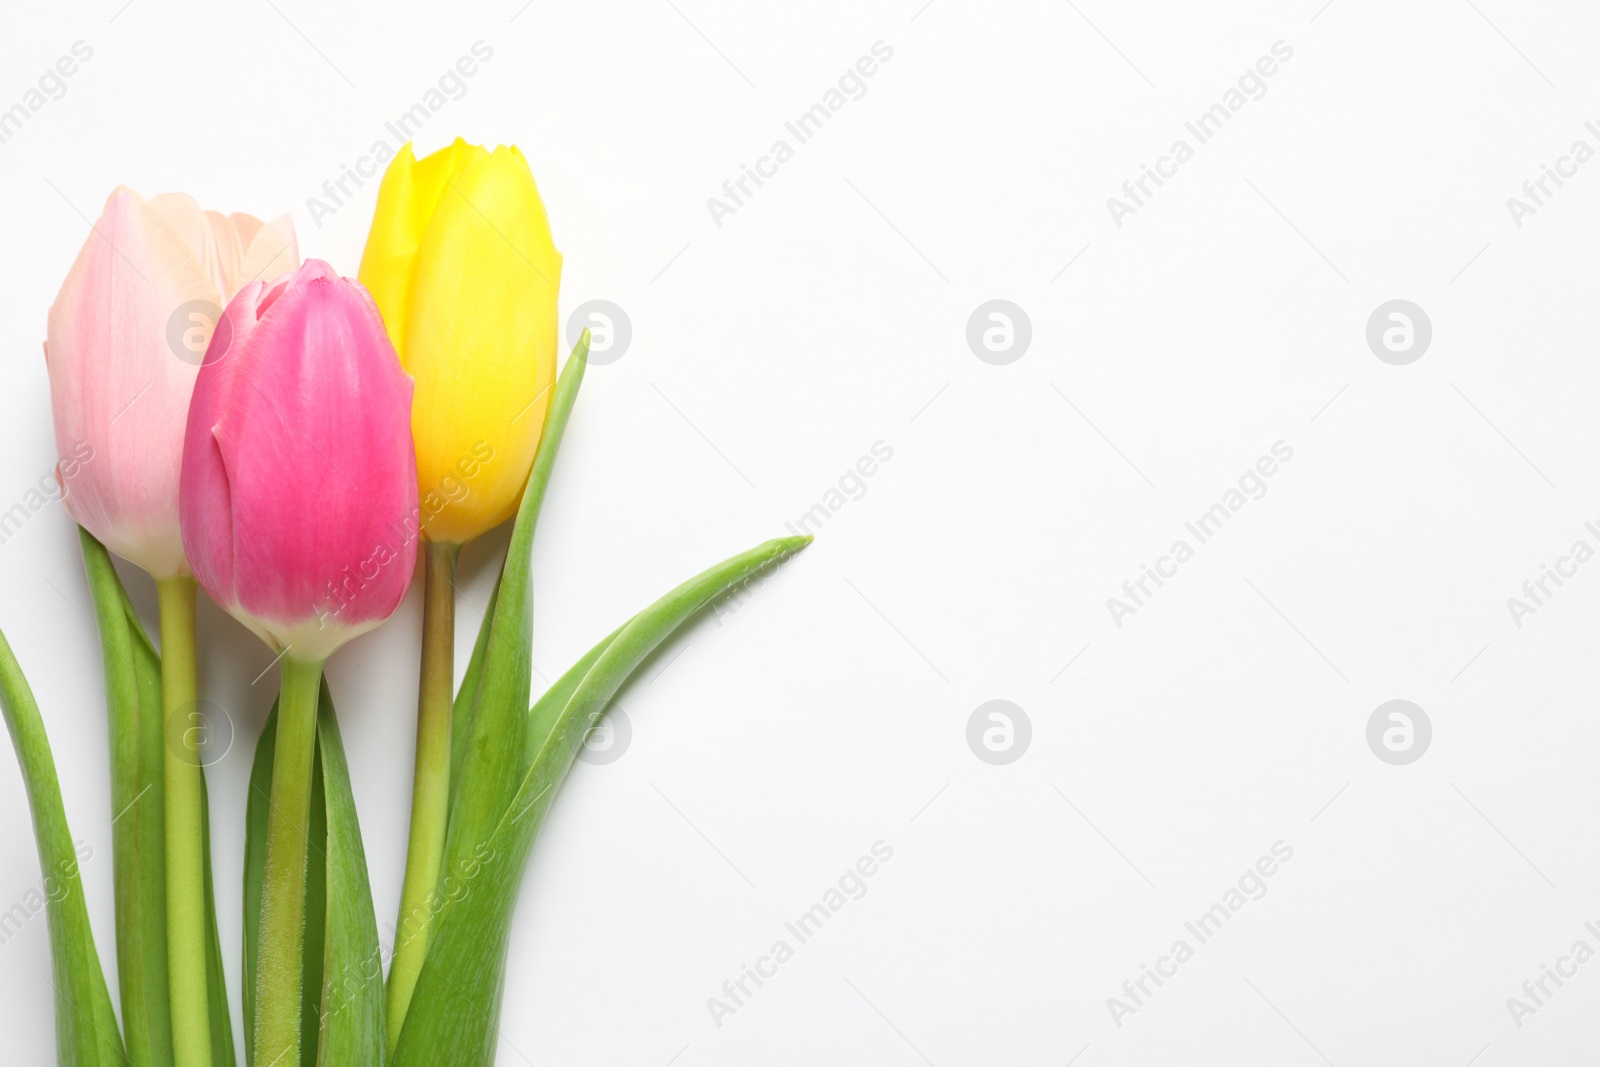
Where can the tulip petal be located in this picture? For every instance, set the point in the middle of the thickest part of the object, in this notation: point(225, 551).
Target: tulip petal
point(269, 251)
point(481, 343)
point(123, 417)
point(407, 197)
point(299, 503)
point(126, 335)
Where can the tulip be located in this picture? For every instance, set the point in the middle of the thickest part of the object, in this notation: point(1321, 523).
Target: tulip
point(124, 341)
point(299, 494)
point(126, 334)
point(462, 265)
point(298, 507)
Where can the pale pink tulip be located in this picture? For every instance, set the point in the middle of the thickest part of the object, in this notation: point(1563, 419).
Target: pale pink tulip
point(126, 335)
point(299, 497)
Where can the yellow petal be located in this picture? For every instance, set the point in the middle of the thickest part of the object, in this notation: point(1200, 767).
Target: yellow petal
point(479, 339)
point(407, 198)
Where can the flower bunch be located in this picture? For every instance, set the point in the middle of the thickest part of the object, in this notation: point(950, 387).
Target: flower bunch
point(291, 441)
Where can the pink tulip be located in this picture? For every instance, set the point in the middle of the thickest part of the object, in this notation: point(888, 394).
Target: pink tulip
point(126, 334)
point(299, 495)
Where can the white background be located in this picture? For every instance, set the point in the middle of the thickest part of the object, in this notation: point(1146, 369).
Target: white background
point(774, 746)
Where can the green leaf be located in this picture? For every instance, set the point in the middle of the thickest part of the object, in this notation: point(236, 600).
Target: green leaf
point(343, 961)
point(546, 712)
point(216, 974)
point(492, 762)
point(455, 1010)
point(86, 1025)
point(138, 831)
point(353, 1032)
point(316, 926)
point(257, 806)
point(133, 709)
point(153, 877)
point(467, 695)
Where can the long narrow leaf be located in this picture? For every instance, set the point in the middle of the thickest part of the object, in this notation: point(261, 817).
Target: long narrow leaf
point(257, 807)
point(149, 811)
point(86, 1025)
point(467, 695)
point(493, 762)
point(453, 1021)
point(316, 925)
point(353, 1033)
point(546, 711)
point(133, 676)
point(216, 974)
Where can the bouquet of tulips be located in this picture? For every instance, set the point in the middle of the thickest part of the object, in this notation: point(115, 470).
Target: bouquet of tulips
point(290, 441)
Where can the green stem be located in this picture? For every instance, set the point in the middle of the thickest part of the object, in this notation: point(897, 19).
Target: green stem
point(185, 813)
point(430, 786)
point(283, 889)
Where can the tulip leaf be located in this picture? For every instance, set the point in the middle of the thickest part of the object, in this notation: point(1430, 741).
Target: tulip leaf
point(467, 695)
point(352, 987)
point(86, 1025)
point(258, 805)
point(113, 607)
point(492, 762)
point(343, 978)
point(316, 924)
point(454, 1013)
point(216, 974)
point(138, 833)
point(546, 711)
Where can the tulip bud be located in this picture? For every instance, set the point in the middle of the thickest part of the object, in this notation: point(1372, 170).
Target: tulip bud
point(126, 334)
point(299, 492)
point(461, 263)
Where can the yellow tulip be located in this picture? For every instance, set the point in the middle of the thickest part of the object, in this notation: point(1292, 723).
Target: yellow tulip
point(462, 267)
